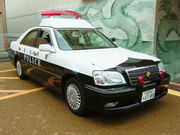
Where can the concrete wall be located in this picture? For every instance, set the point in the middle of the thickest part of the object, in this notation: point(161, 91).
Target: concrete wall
point(22, 14)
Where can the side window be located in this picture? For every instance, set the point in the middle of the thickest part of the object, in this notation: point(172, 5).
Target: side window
point(30, 38)
point(62, 42)
point(43, 38)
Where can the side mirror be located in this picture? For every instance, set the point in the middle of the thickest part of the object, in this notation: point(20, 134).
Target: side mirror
point(46, 48)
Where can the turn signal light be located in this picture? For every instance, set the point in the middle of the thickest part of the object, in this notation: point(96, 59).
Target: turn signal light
point(141, 79)
point(162, 74)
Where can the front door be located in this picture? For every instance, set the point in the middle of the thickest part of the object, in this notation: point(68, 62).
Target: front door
point(48, 70)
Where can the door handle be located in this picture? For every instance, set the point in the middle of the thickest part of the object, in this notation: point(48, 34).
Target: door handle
point(34, 53)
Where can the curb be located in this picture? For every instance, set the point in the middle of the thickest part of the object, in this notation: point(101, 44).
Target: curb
point(174, 86)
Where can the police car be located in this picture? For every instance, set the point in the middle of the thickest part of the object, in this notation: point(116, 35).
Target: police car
point(73, 58)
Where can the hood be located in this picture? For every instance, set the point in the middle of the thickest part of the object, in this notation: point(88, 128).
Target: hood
point(107, 58)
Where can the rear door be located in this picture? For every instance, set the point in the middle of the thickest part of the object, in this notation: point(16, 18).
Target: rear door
point(27, 53)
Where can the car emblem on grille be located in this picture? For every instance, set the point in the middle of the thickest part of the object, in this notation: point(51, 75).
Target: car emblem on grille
point(148, 74)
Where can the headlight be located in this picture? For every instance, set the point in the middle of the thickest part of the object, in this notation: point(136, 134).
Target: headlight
point(108, 78)
point(161, 67)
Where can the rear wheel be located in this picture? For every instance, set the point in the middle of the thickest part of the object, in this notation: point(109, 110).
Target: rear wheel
point(19, 70)
point(75, 97)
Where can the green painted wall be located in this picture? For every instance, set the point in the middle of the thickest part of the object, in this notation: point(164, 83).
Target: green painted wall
point(131, 22)
point(168, 36)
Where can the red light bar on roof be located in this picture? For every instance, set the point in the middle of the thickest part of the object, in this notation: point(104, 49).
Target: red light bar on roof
point(60, 13)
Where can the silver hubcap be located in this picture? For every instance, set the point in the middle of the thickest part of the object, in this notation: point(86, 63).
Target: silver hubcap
point(18, 68)
point(73, 97)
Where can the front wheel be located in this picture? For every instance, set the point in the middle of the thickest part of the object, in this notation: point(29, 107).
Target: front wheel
point(19, 70)
point(75, 97)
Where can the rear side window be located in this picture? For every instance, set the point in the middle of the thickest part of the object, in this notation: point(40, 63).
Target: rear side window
point(30, 38)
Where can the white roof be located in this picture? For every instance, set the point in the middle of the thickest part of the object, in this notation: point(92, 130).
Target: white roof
point(65, 23)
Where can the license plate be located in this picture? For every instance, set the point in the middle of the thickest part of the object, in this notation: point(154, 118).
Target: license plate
point(148, 95)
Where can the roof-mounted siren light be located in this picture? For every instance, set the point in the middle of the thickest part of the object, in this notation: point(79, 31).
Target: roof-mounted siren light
point(62, 13)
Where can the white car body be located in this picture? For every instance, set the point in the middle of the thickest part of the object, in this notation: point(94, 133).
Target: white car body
point(107, 77)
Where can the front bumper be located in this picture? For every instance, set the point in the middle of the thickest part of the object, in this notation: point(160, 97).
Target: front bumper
point(127, 97)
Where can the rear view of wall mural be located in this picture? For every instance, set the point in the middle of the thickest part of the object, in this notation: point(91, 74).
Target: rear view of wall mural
point(131, 22)
point(168, 36)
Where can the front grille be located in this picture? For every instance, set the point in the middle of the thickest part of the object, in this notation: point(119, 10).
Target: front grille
point(135, 73)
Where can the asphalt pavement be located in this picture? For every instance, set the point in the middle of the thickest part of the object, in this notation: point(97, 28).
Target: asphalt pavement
point(27, 108)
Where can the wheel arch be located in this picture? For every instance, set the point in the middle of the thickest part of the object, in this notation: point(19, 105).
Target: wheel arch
point(65, 78)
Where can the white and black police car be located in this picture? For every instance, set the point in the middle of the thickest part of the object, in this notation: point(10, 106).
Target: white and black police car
point(73, 58)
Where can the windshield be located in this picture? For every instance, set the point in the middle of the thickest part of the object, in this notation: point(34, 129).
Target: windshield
point(82, 39)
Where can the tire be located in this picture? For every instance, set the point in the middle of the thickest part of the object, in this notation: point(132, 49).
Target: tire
point(75, 97)
point(19, 70)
